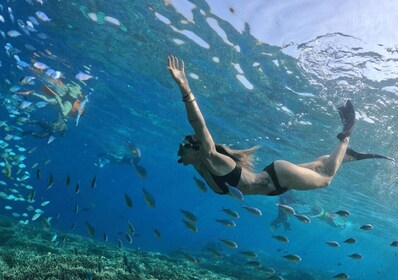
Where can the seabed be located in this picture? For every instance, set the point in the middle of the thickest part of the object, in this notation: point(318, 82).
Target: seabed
point(30, 252)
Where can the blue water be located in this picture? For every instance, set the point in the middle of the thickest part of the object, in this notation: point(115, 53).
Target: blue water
point(288, 107)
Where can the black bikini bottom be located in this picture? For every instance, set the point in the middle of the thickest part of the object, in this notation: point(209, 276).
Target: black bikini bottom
point(278, 189)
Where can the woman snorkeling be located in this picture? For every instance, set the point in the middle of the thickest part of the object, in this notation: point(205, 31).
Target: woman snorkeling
point(222, 167)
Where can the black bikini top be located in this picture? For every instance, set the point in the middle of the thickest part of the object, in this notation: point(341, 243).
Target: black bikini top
point(232, 179)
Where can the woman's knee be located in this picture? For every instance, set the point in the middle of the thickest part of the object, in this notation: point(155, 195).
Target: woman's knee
point(326, 181)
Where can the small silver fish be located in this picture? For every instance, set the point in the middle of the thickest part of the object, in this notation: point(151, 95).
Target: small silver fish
point(303, 218)
point(24, 104)
point(342, 213)
point(14, 33)
point(356, 256)
point(231, 213)
point(27, 80)
point(200, 184)
point(230, 243)
point(292, 258)
point(227, 223)
point(366, 227)
point(281, 238)
point(40, 65)
point(288, 209)
point(33, 20)
point(253, 210)
point(235, 193)
point(42, 16)
point(249, 254)
point(81, 76)
point(190, 225)
point(255, 264)
point(341, 276)
point(350, 241)
point(188, 215)
point(334, 244)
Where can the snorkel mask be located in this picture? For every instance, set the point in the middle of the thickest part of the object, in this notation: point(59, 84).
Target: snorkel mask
point(189, 142)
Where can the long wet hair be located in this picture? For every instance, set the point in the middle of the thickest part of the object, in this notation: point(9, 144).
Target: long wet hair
point(243, 158)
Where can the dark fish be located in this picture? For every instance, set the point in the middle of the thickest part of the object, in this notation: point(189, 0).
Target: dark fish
point(350, 241)
point(119, 244)
point(188, 215)
point(31, 196)
point(50, 181)
point(67, 180)
point(149, 198)
point(249, 254)
point(255, 264)
point(32, 150)
point(76, 209)
point(394, 243)
point(156, 232)
point(125, 260)
point(90, 229)
point(128, 238)
point(38, 174)
point(77, 189)
point(141, 171)
point(215, 253)
point(105, 237)
point(342, 213)
point(131, 227)
point(99, 266)
point(341, 276)
point(93, 182)
point(128, 201)
point(191, 258)
point(190, 225)
point(200, 184)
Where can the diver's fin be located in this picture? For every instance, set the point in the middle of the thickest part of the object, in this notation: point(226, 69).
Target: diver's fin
point(347, 114)
point(360, 156)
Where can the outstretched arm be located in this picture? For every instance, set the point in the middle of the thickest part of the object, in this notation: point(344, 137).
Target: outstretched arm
point(195, 116)
point(217, 163)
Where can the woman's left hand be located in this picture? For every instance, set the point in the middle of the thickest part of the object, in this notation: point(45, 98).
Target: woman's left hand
point(176, 70)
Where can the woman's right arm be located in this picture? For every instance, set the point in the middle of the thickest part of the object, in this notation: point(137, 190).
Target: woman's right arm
point(194, 114)
point(217, 163)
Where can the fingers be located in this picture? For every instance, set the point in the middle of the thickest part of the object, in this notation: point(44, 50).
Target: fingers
point(173, 63)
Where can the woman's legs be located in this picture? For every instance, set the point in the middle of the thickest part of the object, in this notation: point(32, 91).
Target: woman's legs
point(313, 175)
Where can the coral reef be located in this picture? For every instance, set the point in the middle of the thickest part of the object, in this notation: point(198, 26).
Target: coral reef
point(28, 253)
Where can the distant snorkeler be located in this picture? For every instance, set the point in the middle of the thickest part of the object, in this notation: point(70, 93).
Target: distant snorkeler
point(47, 128)
point(133, 158)
point(223, 168)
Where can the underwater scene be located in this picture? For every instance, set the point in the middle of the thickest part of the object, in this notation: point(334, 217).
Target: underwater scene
point(95, 182)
